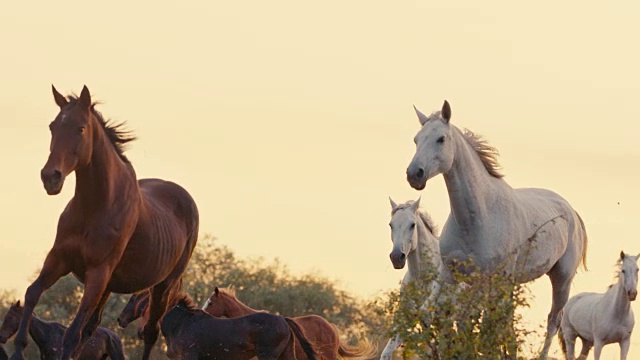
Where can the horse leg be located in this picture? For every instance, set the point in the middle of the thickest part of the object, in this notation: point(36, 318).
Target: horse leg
point(157, 307)
point(568, 345)
point(392, 345)
point(53, 269)
point(597, 349)
point(95, 284)
point(586, 347)
point(561, 276)
point(95, 319)
point(624, 348)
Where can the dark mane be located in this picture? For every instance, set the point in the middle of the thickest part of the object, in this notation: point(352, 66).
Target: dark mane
point(115, 132)
point(185, 301)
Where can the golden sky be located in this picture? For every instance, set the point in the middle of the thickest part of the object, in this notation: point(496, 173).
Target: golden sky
point(290, 122)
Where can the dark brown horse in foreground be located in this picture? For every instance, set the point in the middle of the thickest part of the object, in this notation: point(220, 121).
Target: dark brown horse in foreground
point(117, 234)
point(48, 336)
point(193, 334)
point(323, 335)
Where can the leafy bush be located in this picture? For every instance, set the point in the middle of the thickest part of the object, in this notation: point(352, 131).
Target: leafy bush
point(476, 320)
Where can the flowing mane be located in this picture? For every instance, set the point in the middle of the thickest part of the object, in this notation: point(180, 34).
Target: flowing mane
point(231, 291)
point(115, 132)
point(616, 274)
point(422, 214)
point(488, 154)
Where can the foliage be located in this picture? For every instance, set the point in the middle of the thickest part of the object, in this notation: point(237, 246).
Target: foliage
point(474, 321)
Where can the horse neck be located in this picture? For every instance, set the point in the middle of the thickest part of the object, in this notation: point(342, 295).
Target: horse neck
point(107, 178)
point(416, 260)
point(236, 308)
point(620, 304)
point(470, 186)
point(174, 320)
point(41, 331)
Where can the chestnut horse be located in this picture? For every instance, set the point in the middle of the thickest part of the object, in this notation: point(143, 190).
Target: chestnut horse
point(103, 344)
point(322, 333)
point(117, 233)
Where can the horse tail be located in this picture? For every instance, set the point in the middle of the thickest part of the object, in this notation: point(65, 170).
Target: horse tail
point(306, 345)
point(115, 349)
point(363, 350)
point(563, 346)
point(585, 242)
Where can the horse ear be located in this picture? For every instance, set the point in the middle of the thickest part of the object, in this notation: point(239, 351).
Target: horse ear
point(18, 303)
point(216, 291)
point(61, 101)
point(446, 111)
point(621, 255)
point(422, 117)
point(85, 98)
point(416, 205)
point(394, 206)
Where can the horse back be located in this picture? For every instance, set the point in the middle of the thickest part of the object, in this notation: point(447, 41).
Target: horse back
point(217, 338)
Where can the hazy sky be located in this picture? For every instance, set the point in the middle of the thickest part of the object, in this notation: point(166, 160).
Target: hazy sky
point(291, 122)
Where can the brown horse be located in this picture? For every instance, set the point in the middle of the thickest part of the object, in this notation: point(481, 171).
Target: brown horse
point(117, 233)
point(322, 333)
point(48, 336)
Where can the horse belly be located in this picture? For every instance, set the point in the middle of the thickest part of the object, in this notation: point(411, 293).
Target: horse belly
point(147, 262)
point(578, 314)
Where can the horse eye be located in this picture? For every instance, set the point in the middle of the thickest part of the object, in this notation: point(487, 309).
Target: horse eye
point(623, 271)
point(81, 129)
point(440, 139)
point(413, 226)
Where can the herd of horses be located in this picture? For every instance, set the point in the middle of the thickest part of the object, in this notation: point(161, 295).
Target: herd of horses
point(125, 235)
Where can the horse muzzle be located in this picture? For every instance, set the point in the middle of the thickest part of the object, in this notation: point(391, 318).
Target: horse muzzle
point(398, 259)
point(632, 295)
point(52, 180)
point(416, 177)
point(122, 323)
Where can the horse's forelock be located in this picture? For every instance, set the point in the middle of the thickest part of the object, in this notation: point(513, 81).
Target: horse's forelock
point(422, 214)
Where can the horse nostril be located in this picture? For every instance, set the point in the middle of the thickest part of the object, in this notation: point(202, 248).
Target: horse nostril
point(420, 173)
point(57, 175)
point(402, 257)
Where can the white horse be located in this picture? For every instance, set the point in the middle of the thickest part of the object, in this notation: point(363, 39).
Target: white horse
point(413, 234)
point(600, 319)
point(531, 231)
